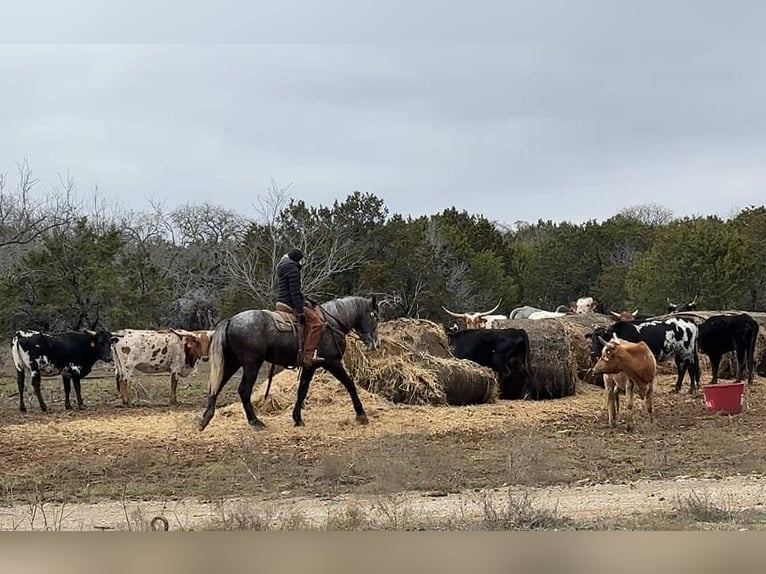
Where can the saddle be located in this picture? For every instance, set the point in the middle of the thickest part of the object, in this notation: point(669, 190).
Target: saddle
point(284, 321)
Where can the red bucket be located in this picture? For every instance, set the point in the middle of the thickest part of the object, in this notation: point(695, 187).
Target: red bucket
point(724, 398)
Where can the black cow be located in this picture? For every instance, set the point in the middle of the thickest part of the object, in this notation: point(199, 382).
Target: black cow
point(505, 351)
point(674, 308)
point(71, 355)
point(674, 336)
point(721, 334)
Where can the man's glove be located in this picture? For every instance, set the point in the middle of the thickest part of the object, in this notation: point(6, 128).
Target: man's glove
point(301, 318)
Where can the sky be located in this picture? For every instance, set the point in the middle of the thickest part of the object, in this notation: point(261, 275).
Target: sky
point(553, 129)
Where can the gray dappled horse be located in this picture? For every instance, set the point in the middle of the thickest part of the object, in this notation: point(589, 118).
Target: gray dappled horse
point(250, 338)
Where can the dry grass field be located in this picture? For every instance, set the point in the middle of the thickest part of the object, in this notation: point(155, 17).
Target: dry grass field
point(152, 453)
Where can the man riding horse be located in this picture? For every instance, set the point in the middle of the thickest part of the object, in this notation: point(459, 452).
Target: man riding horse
point(290, 299)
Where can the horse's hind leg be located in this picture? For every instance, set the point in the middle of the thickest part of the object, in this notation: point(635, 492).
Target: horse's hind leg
point(339, 372)
point(249, 376)
point(228, 371)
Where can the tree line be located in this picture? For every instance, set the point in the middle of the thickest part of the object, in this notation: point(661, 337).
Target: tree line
point(73, 261)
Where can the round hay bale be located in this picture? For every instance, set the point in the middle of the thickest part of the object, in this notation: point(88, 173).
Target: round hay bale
point(551, 361)
point(406, 335)
point(419, 378)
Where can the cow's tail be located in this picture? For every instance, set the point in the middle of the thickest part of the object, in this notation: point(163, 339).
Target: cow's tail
point(18, 362)
point(216, 357)
point(751, 353)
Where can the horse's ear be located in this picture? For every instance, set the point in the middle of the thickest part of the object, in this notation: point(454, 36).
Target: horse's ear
point(374, 302)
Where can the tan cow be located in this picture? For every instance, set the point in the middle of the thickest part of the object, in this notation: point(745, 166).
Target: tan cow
point(171, 351)
point(627, 366)
point(477, 320)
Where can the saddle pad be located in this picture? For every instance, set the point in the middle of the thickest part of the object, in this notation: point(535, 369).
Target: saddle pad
point(282, 321)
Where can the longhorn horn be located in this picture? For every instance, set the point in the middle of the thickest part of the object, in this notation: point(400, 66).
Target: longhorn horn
point(670, 302)
point(615, 314)
point(492, 310)
point(603, 342)
point(635, 312)
point(458, 315)
point(695, 299)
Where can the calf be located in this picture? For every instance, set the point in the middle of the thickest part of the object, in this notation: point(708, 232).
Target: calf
point(675, 337)
point(628, 365)
point(505, 351)
point(721, 334)
point(584, 305)
point(71, 354)
point(174, 351)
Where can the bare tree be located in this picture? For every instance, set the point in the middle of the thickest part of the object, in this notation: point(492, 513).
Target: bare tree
point(26, 216)
point(282, 223)
point(648, 213)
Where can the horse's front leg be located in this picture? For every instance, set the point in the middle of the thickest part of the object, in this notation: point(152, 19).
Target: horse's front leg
point(339, 372)
point(307, 373)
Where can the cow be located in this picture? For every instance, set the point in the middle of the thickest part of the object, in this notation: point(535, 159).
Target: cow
point(626, 315)
point(537, 315)
point(584, 305)
point(505, 351)
point(673, 336)
point(165, 351)
point(70, 354)
point(478, 320)
point(523, 312)
point(676, 308)
point(628, 366)
point(721, 334)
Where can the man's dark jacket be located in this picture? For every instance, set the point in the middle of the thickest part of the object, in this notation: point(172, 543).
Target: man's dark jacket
point(289, 284)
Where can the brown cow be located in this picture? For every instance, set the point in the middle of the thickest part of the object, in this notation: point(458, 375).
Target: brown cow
point(173, 351)
point(624, 315)
point(632, 366)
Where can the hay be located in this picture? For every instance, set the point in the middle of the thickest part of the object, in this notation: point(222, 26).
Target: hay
point(552, 361)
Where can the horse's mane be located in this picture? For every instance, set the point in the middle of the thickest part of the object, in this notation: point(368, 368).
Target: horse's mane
point(345, 308)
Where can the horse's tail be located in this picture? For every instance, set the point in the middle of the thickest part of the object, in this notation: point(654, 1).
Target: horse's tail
point(216, 356)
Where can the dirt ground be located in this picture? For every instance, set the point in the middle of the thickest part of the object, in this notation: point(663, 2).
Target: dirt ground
point(107, 463)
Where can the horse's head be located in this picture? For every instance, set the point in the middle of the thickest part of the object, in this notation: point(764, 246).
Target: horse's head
point(367, 326)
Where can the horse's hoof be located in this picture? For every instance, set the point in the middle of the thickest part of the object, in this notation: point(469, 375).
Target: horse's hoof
point(362, 419)
point(68, 407)
point(257, 424)
point(81, 407)
point(300, 423)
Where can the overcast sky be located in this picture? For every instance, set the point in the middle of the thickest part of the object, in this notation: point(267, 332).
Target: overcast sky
point(515, 131)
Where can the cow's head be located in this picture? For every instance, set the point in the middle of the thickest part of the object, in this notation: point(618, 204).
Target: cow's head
point(101, 341)
point(678, 308)
point(192, 345)
point(595, 339)
point(610, 359)
point(473, 320)
point(624, 315)
point(584, 305)
point(204, 338)
point(452, 328)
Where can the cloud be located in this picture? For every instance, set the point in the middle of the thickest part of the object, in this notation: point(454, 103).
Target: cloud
point(522, 131)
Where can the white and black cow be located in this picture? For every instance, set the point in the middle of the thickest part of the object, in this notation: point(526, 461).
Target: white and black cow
point(71, 354)
point(674, 337)
point(721, 334)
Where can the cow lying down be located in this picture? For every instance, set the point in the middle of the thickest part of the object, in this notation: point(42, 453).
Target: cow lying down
point(171, 351)
point(626, 367)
